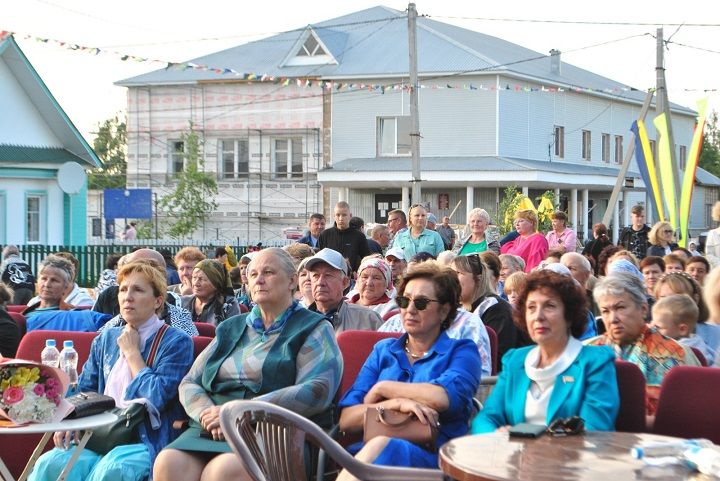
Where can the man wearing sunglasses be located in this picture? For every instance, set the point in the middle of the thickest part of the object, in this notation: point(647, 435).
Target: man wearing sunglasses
point(329, 277)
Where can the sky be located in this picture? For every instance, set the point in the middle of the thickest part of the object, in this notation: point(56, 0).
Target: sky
point(181, 30)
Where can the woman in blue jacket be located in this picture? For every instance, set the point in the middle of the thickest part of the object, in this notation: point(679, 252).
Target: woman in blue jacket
point(560, 377)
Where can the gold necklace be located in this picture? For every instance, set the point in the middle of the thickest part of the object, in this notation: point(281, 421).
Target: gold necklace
point(413, 355)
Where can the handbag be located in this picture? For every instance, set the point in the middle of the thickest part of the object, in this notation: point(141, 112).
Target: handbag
point(125, 429)
point(395, 424)
point(88, 404)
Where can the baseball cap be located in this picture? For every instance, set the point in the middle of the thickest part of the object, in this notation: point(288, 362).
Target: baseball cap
point(431, 218)
point(395, 252)
point(329, 256)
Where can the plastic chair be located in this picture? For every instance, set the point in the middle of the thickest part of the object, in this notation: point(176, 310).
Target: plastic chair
point(355, 347)
point(493, 349)
point(390, 313)
point(270, 441)
point(631, 385)
point(205, 329)
point(199, 344)
point(687, 407)
point(16, 307)
point(19, 320)
point(700, 356)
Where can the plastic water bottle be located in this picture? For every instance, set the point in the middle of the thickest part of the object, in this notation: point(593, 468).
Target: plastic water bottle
point(50, 356)
point(668, 448)
point(68, 363)
point(704, 459)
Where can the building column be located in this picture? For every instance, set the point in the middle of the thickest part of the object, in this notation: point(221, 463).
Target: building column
point(573, 210)
point(342, 194)
point(584, 214)
point(405, 199)
point(469, 202)
point(616, 222)
point(557, 196)
point(525, 191)
point(626, 210)
point(649, 211)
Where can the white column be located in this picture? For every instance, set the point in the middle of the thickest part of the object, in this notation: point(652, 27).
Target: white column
point(649, 211)
point(573, 210)
point(342, 194)
point(615, 222)
point(557, 196)
point(405, 199)
point(469, 201)
point(525, 191)
point(626, 209)
point(584, 214)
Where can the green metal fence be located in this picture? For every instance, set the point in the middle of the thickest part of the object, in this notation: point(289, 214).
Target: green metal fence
point(92, 258)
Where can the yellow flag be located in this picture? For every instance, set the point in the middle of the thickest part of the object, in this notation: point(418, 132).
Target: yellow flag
point(650, 164)
point(689, 176)
point(666, 169)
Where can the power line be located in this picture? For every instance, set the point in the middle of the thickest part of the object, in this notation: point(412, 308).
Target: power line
point(577, 22)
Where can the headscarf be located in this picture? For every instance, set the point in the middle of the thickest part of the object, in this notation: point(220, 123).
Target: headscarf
point(217, 275)
point(383, 267)
point(624, 265)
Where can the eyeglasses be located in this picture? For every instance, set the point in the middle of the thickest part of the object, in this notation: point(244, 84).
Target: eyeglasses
point(567, 426)
point(667, 231)
point(476, 263)
point(421, 303)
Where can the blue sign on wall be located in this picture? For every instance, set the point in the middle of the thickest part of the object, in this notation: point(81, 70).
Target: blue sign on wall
point(127, 203)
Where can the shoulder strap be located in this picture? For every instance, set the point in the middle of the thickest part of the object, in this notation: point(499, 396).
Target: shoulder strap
point(156, 343)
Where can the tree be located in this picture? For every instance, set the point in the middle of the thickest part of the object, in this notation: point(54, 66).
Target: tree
point(110, 146)
point(710, 155)
point(194, 195)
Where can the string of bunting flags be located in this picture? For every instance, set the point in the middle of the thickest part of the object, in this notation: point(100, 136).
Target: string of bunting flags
point(324, 84)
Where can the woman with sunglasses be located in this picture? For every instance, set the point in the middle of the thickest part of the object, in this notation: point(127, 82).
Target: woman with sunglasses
point(479, 297)
point(560, 377)
point(662, 239)
point(423, 373)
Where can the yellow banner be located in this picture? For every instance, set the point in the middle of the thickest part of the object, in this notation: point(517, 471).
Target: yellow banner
point(689, 176)
point(666, 169)
point(650, 162)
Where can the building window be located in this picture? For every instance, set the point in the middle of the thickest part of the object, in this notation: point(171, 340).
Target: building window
point(559, 141)
point(653, 149)
point(235, 158)
point(586, 143)
point(394, 136)
point(311, 48)
point(682, 157)
point(618, 149)
point(288, 158)
point(606, 148)
point(177, 156)
point(33, 223)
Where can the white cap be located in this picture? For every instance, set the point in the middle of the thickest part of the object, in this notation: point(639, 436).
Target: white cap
point(395, 252)
point(329, 256)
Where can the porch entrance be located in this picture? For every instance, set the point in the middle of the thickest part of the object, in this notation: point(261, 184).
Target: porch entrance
point(384, 203)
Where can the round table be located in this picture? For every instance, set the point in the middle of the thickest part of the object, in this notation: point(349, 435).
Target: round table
point(86, 424)
point(601, 456)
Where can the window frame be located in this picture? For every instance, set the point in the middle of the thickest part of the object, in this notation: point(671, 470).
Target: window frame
point(682, 157)
point(619, 149)
point(292, 161)
point(559, 141)
point(586, 149)
point(605, 148)
point(41, 217)
point(173, 152)
point(237, 162)
point(380, 136)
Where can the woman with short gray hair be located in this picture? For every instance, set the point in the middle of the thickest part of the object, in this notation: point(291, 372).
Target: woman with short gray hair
point(623, 306)
point(55, 277)
point(476, 241)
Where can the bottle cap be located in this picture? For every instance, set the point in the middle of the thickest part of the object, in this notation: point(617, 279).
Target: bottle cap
point(67, 344)
point(49, 342)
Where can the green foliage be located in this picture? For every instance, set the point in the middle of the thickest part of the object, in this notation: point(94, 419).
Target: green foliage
point(194, 196)
point(506, 209)
point(145, 229)
point(110, 146)
point(710, 156)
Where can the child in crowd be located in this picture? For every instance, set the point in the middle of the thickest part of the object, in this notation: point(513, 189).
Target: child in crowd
point(514, 285)
point(676, 317)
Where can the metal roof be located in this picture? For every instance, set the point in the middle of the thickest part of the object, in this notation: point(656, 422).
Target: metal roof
point(22, 153)
point(373, 43)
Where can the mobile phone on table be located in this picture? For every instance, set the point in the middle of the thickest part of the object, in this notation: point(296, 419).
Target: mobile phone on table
point(527, 430)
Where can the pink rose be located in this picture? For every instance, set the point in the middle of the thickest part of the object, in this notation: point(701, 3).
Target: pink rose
point(13, 394)
point(39, 389)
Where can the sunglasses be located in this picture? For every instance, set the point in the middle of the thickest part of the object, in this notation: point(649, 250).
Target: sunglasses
point(421, 303)
point(667, 231)
point(567, 427)
point(476, 263)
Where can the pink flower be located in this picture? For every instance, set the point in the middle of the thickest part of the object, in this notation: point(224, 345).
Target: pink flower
point(39, 389)
point(13, 394)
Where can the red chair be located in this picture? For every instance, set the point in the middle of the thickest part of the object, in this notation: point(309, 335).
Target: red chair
point(199, 344)
point(700, 356)
point(31, 345)
point(390, 313)
point(631, 385)
point(687, 407)
point(205, 329)
point(493, 349)
point(16, 307)
point(355, 347)
point(243, 308)
point(20, 321)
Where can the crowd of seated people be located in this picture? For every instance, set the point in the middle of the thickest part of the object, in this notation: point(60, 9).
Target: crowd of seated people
point(277, 313)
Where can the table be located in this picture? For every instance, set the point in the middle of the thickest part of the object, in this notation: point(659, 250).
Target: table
point(593, 456)
point(86, 424)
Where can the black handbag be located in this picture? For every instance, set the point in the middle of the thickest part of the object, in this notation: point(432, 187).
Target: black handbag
point(88, 404)
point(124, 430)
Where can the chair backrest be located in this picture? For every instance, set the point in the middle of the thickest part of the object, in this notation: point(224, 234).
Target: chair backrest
point(631, 385)
point(270, 441)
point(16, 307)
point(243, 308)
point(199, 344)
point(355, 347)
point(688, 404)
point(390, 313)
point(32, 344)
point(205, 329)
point(493, 349)
point(700, 356)
point(19, 320)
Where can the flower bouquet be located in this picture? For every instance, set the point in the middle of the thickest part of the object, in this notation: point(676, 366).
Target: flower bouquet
point(31, 393)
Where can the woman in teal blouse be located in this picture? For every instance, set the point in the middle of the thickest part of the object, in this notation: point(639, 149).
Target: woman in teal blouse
point(559, 377)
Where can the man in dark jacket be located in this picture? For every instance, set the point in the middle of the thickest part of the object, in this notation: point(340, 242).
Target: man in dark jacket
point(316, 224)
point(351, 243)
point(634, 238)
point(17, 274)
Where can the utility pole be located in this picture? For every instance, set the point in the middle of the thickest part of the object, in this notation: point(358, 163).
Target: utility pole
point(414, 114)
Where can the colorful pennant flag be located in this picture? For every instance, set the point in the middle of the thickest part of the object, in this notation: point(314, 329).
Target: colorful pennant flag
point(689, 176)
point(646, 166)
point(666, 169)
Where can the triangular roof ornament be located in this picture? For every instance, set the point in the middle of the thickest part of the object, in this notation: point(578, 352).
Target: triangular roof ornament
point(309, 49)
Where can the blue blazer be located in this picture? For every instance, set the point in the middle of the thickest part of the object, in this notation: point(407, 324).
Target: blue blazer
point(588, 388)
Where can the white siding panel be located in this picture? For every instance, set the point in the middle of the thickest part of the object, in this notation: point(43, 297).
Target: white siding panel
point(513, 124)
point(697, 208)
